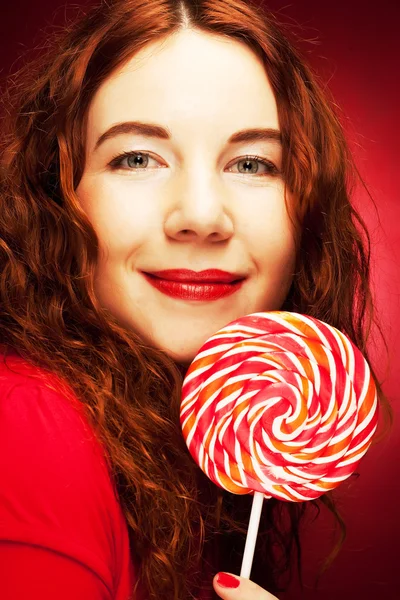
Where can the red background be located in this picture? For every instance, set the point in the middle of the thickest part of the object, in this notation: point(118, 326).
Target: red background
point(354, 47)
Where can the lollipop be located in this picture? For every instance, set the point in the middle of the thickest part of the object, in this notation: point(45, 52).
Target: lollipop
point(278, 404)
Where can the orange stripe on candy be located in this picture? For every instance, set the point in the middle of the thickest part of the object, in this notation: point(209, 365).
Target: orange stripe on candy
point(186, 429)
point(229, 484)
point(283, 492)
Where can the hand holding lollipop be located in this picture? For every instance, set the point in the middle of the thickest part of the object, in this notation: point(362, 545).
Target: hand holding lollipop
point(278, 404)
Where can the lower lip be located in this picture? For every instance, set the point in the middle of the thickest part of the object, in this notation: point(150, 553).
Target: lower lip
point(194, 291)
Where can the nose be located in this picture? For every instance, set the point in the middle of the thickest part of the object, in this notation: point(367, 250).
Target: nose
point(197, 211)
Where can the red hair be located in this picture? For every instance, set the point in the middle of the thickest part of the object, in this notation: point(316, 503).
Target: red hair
point(130, 391)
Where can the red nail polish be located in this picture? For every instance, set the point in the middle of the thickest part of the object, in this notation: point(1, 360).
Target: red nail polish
point(228, 581)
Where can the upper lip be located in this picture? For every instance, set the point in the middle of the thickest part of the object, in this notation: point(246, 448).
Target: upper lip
point(186, 275)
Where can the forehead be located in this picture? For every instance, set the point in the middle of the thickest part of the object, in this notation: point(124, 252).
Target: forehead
point(192, 81)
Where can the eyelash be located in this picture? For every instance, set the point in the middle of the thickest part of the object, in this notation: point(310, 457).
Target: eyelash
point(116, 162)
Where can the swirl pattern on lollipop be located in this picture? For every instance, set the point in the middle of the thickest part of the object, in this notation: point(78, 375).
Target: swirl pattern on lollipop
point(279, 403)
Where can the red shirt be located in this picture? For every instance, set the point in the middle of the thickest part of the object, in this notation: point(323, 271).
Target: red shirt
point(62, 531)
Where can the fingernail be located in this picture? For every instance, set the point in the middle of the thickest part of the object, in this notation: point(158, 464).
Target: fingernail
point(228, 581)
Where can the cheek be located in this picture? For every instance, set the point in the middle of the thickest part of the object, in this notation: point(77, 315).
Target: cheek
point(121, 218)
point(268, 229)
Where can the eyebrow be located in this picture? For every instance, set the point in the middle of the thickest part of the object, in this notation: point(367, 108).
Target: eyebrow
point(256, 134)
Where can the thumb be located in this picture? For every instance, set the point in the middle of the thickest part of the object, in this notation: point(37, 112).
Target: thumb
point(233, 587)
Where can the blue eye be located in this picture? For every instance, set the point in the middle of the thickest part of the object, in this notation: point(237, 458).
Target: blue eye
point(136, 160)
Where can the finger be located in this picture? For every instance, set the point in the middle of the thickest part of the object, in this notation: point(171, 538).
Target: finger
point(239, 588)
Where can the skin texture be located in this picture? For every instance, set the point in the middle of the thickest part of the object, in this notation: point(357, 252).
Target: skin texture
point(196, 206)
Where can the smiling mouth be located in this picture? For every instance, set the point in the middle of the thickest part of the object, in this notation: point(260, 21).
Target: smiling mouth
point(198, 291)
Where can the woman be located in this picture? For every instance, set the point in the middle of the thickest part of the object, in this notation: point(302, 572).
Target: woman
point(155, 137)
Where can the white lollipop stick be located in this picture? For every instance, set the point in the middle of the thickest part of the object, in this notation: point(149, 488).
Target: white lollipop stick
point(252, 534)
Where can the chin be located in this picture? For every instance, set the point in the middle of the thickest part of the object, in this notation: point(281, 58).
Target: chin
point(182, 361)
point(182, 357)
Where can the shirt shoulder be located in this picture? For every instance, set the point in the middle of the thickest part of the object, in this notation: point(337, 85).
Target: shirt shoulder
point(56, 491)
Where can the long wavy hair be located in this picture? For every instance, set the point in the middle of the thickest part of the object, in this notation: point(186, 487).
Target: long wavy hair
point(131, 392)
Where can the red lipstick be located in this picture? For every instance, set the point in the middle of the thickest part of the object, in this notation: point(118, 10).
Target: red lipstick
point(185, 284)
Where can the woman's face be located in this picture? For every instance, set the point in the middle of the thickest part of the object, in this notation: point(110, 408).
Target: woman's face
point(192, 201)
